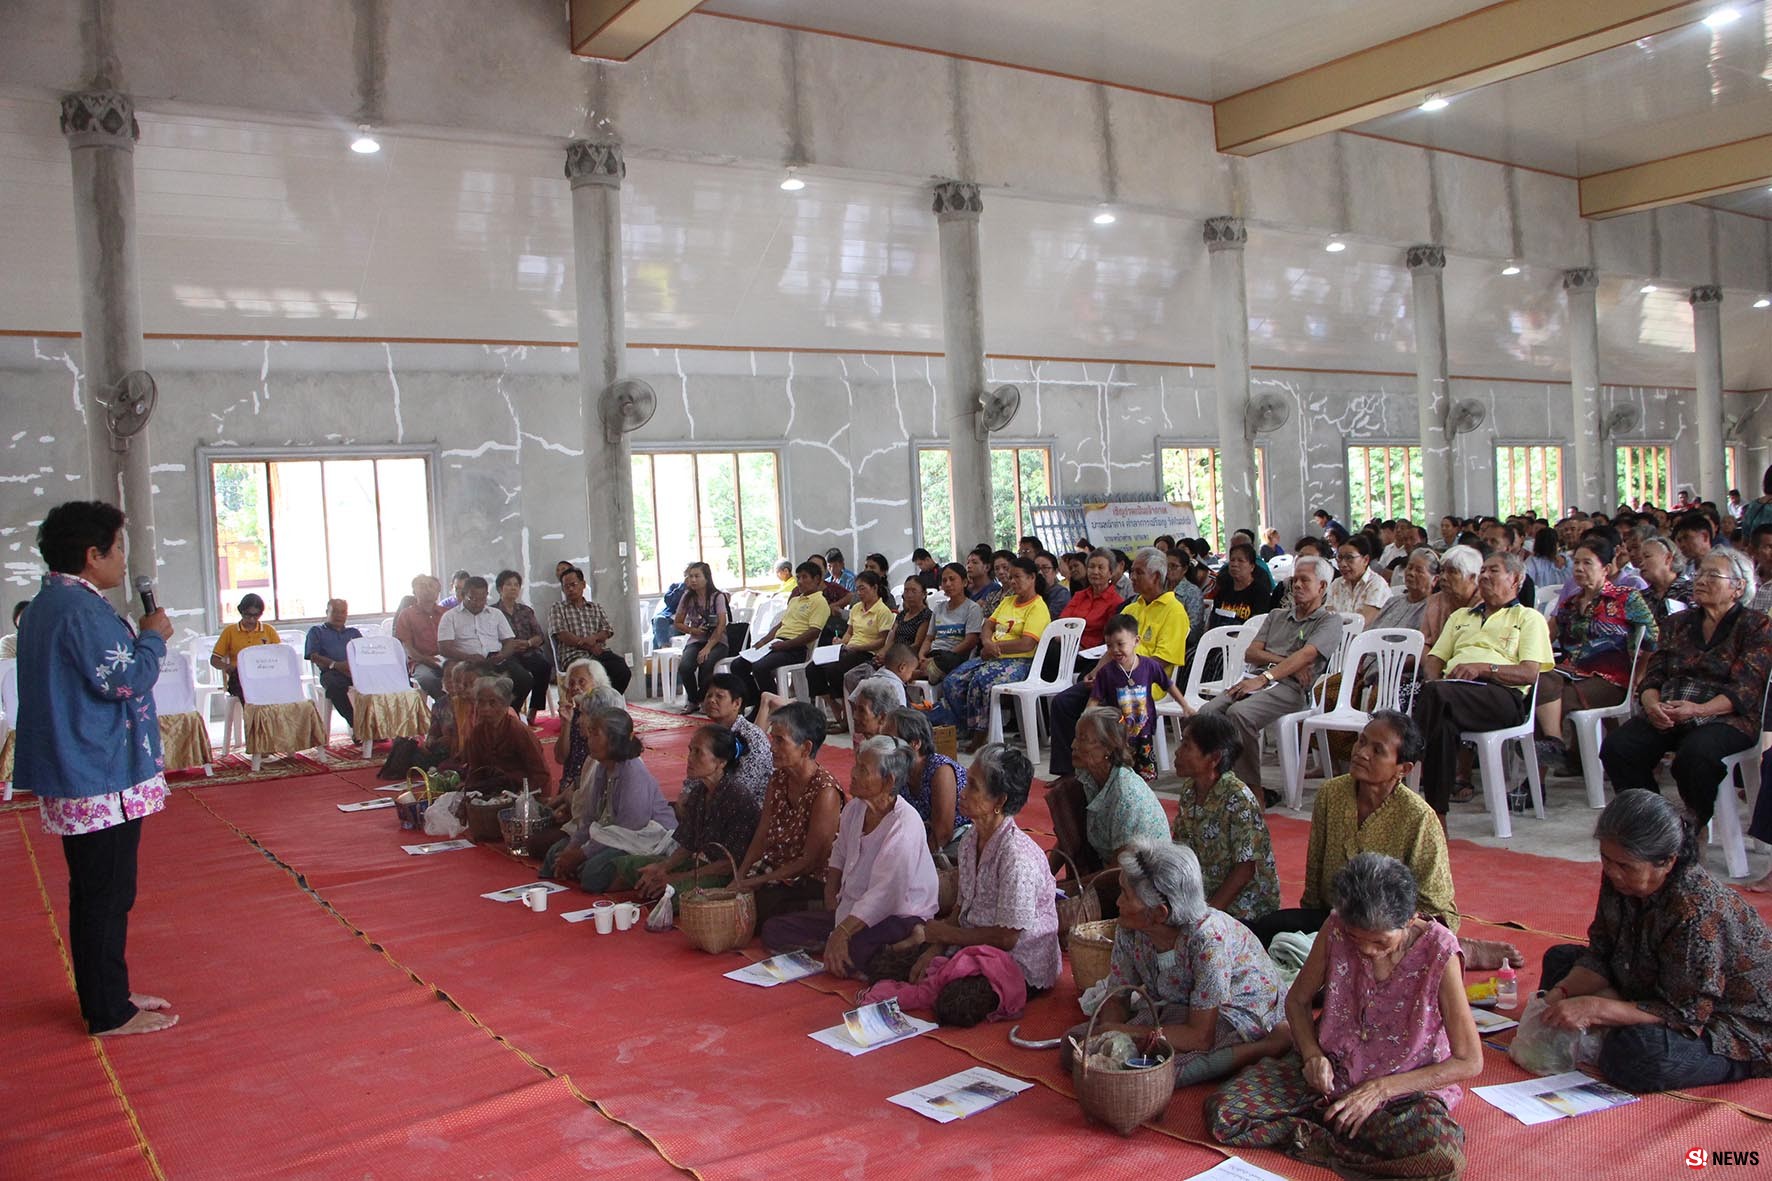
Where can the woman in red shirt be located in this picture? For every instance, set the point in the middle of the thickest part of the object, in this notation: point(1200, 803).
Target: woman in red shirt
point(1096, 603)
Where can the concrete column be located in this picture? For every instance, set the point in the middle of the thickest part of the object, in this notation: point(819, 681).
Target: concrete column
point(101, 131)
point(1592, 470)
point(1225, 238)
point(957, 206)
point(596, 171)
point(1707, 339)
point(1427, 270)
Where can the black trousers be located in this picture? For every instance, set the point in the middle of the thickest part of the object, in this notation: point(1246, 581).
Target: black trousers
point(617, 668)
point(1445, 709)
point(1632, 752)
point(1302, 918)
point(1063, 712)
point(693, 674)
point(1760, 826)
point(337, 687)
point(826, 680)
point(759, 675)
point(101, 891)
point(522, 682)
point(540, 668)
point(1645, 1058)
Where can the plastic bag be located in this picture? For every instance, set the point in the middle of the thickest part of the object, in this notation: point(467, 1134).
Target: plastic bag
point(1543, 1050)
point(663, 916)
point(441, 819)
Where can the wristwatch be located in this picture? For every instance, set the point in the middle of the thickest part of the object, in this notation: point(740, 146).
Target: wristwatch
point(1268, 675)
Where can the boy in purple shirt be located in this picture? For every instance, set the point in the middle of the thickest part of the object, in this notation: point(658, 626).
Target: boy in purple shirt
point(1123, 682)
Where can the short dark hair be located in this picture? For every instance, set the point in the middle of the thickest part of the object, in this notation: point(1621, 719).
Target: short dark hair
point(505, 576)
point(1599, 547)
point(1762, 530)
point(574, 571)
point(1119, 625)
point(250, 604)
point(458, 576)
point(802, 721)
point(922, 555)
point(869, 578)
point(1410, 743)
point(810, 567)
point(1694, 523)
point(835, 555)
point(474, 583)
point(729, 683)
point(18, 609)
point(72, 528)
point(1322, 514)
point(955, 567)
point(1360, 542)
point(1215, 734)
point(723, 744)
point(1038, 544)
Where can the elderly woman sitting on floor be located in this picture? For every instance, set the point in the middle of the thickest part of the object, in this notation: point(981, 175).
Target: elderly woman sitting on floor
point(1219, 818)
point(936, 781)
point(1677, 971)
point(881, 883)
point(785, 864)
point(500, 749)
point(1007, 900)
point(623, 811)
point(1216, 991)
point(1104, 805)
point(717, 816)
point(1394, 1037)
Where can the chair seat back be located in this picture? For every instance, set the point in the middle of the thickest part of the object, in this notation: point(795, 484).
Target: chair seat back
point(378, 665)
point(1230, 643)
point(199, 649)
point(1352, 624)
point(767, 614)
point(1545, 599)
point(270, 674)
point(175, 692)
point(1068, 634)
point(1280, 566)
point(1396, 651)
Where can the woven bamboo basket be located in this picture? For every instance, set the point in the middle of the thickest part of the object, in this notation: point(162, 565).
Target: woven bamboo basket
point(424, 787)
point(1124, 1099)
point(1077, 903)
point(718, 920)
point(947, 741)
point(1092, 950)
point(483, 825)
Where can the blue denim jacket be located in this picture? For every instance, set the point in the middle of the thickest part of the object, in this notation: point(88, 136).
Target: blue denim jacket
point(86, 720)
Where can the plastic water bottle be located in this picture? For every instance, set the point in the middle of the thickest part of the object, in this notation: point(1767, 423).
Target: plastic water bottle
point(1507, 988)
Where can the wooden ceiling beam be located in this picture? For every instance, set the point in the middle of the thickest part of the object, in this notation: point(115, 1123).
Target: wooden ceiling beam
point(1504, 40)
point(1689, 176)
point(615, 30)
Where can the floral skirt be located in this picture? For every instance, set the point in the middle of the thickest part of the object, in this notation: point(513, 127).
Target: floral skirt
point(1271, 1106)
point(966, 691)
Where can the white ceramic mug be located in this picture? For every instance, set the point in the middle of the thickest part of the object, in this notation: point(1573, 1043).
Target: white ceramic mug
point(626, 915)
point(536, 898)
point(603, 914)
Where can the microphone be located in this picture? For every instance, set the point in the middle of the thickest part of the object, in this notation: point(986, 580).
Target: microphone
point(144, 586)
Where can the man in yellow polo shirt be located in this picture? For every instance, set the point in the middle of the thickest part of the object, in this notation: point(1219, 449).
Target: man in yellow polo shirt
point(791, 640)
point(1162, 635)
point(1480, 673)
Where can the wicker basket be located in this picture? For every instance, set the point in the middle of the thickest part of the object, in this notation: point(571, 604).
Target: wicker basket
point(1079, 903)
point(718, 920)
point(483, 825)
point(1124, 1099)
point(423, 789)
point(947, 741)
point(1092, 951)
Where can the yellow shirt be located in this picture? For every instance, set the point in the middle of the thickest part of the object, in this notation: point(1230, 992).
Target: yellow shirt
point(805, 613)
point(788, 586)
point(1404, 827)
point(1512, 635)
point(1162, 629)
point(233, 641)
point(1012, 621)
point(867, 626)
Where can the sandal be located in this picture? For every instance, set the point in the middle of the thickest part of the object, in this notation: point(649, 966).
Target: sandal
point(1463, 791)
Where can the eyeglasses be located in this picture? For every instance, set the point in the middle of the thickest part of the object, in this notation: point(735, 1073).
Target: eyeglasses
point(1347, 557)
point(1714, 576)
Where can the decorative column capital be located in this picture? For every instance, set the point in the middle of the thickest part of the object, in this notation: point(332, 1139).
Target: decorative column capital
point(956, 198)
point(1426, 257)
point(1705, 295)
point(1581, 279)
point(590, 163)
point(1225, 233)
point(100, 119)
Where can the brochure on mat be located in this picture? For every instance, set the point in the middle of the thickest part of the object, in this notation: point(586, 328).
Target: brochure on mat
point(367, 805)
point(438, 847)
point(515, 893)
point(795, 965)
point(1557, 1096)
point(870, 1027)
point(960, 1095)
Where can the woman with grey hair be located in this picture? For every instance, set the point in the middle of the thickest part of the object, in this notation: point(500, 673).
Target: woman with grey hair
point(1217, 993)
point(1677, 971)
point(785, 864)
point(1703, 693)
point(1369, 1091)
point(1459, 567)
point(881, 883)
point(622, 812)
point(500, 750)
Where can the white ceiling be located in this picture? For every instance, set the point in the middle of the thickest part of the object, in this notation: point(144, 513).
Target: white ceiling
point(1203, 49)
point(1689, 88)
point(279, 231)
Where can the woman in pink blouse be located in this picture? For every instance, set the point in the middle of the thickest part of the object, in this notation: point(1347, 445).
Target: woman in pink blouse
point(881, 882)
point(1371, 1087)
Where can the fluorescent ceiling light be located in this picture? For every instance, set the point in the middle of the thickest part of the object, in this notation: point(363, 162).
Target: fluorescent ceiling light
point(791, 183)
point(1647, 288)
point(1103, 216)
point(1512, 268)
point(1721, 17)
point(1435, 102)
point(365, 144)
point(1763, 302)
point(1335, 246)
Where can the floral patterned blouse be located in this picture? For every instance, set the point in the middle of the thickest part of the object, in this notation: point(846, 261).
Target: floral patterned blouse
point(1596, 642)
point(522, 620)
point(1218, 963)
point(1371, 1028)
point(1733, 663)
point(1008, 884)
point(1694, 954)
point(785, 839)
point(1120, 811)
point(87, 814)
point(1224, 830)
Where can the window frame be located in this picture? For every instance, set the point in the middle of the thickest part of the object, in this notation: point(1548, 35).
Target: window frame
point(209, 455)
point(783, 497)
point(922, 443)
point(1673, 474)
point(1347, 446)
point(1182, 442)
point(1557, 509)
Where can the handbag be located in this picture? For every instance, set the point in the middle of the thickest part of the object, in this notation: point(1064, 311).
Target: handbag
point(403, 756)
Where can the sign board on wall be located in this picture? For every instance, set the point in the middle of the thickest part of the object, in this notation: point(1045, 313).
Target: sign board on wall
point(1129, 524)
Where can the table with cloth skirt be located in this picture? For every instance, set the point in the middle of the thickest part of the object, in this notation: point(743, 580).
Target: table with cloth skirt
point(184, 741)
point(390, 715)
point(283, 729)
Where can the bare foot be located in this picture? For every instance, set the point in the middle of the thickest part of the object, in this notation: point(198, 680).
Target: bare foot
point(1485, 955)
point(1763, 886)
point(144, 1021)
point(147, 1000)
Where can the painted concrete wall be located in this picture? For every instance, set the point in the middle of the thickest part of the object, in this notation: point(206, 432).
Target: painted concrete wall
point(506, 427)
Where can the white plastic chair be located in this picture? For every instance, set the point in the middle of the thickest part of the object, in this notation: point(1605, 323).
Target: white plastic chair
point(1352, 624)
point(378, 665)
point(1280, 566)
point(1491, 744)
point(8, 711)
point(270, 674)
point(1725, 827)
point(1589, 725)
point(1394, 650)
point(175, 692)
point(1545, 599)
point(1029, 691)
point(1230, 642)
